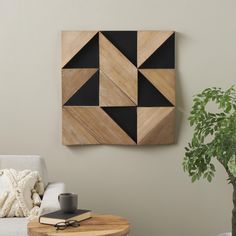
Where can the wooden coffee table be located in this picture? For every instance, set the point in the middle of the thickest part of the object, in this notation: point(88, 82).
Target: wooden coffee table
point(98, 225)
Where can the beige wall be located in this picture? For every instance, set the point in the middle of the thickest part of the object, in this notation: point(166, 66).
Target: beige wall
point(144, 184)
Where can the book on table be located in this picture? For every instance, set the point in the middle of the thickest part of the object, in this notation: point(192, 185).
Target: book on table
point(59, 216)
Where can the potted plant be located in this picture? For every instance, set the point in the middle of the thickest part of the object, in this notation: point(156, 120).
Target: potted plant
point(214, 137)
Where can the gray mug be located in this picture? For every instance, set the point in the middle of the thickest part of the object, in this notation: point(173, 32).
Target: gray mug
point(68, 202)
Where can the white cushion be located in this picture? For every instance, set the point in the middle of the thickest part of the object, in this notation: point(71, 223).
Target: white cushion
point(18, 226)
point(18, 193)
point(23, 162)
point(13, 226)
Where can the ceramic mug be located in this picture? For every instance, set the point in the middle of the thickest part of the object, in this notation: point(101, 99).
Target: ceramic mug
point(68, 202)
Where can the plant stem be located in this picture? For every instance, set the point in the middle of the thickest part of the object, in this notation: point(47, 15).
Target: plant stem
point(234, 211)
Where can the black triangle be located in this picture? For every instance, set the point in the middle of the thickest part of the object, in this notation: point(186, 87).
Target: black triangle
point(126, 118)
point(148, 95)
point(87, 95)
point(87, 57)
point(124, 41)
point(163, 57)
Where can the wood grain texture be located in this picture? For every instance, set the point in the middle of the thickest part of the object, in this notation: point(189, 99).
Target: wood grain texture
point(163, 80)
point(99, 125)
point(73, 80)
point(73, 132)
point(118, 87)
point(156, 125)
point(118, 68)
point(72, 42)
point(149, 42)
point(98, 225)
point(110, 94)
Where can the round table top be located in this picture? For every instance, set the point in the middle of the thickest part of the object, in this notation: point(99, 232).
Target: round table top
point(98, 225)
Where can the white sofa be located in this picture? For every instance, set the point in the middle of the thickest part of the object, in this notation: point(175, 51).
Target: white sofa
point(18, 226)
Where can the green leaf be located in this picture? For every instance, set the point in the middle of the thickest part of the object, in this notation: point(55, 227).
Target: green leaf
point(209, 178)
point(205, 175)
point(191, 122)
point(232, 166)
point(228, 108)
point(194, 178)
point(212, 167)
point(214, 133)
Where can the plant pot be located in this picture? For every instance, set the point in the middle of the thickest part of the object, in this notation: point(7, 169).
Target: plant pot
point(225, 234)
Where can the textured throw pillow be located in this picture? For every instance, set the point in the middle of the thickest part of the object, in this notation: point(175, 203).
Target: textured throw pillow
point(20, 193)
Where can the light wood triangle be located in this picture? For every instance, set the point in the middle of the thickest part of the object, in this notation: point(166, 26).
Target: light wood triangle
point(72, 42)
point(155, 125)
point(73, 132)
point(118, 68)
point(163, 80)
point(99, 124)
point(149, 42)
point(73, 80)
point(111, 95)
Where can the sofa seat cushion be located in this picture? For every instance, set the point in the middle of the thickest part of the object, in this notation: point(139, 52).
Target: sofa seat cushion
point(13, 226)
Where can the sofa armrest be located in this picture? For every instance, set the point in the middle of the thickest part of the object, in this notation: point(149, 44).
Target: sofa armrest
point(50, 198)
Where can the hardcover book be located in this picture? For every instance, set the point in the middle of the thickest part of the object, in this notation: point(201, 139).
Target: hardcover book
point(59, 216)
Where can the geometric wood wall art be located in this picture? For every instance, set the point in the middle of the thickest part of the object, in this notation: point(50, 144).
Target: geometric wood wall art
point(118, 87)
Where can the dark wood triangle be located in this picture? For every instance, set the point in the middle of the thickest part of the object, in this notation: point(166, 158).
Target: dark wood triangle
point(87, 95)
point(125, 42)
point(87, 57)
point(148, 95)
point(126, 118)
point(163, 57)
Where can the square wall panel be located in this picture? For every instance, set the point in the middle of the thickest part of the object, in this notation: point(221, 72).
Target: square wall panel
point(118, 87)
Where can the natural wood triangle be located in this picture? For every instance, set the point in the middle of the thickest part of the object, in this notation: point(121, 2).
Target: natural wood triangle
point(72, 42)
point(100, 125)
point(118, 68)
point(73, 80)
point(126, 118)
point(149, 42)
point(125, 42)
point(111, 95)
point(73, 132)
point(163, 80)
point(155, 125)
